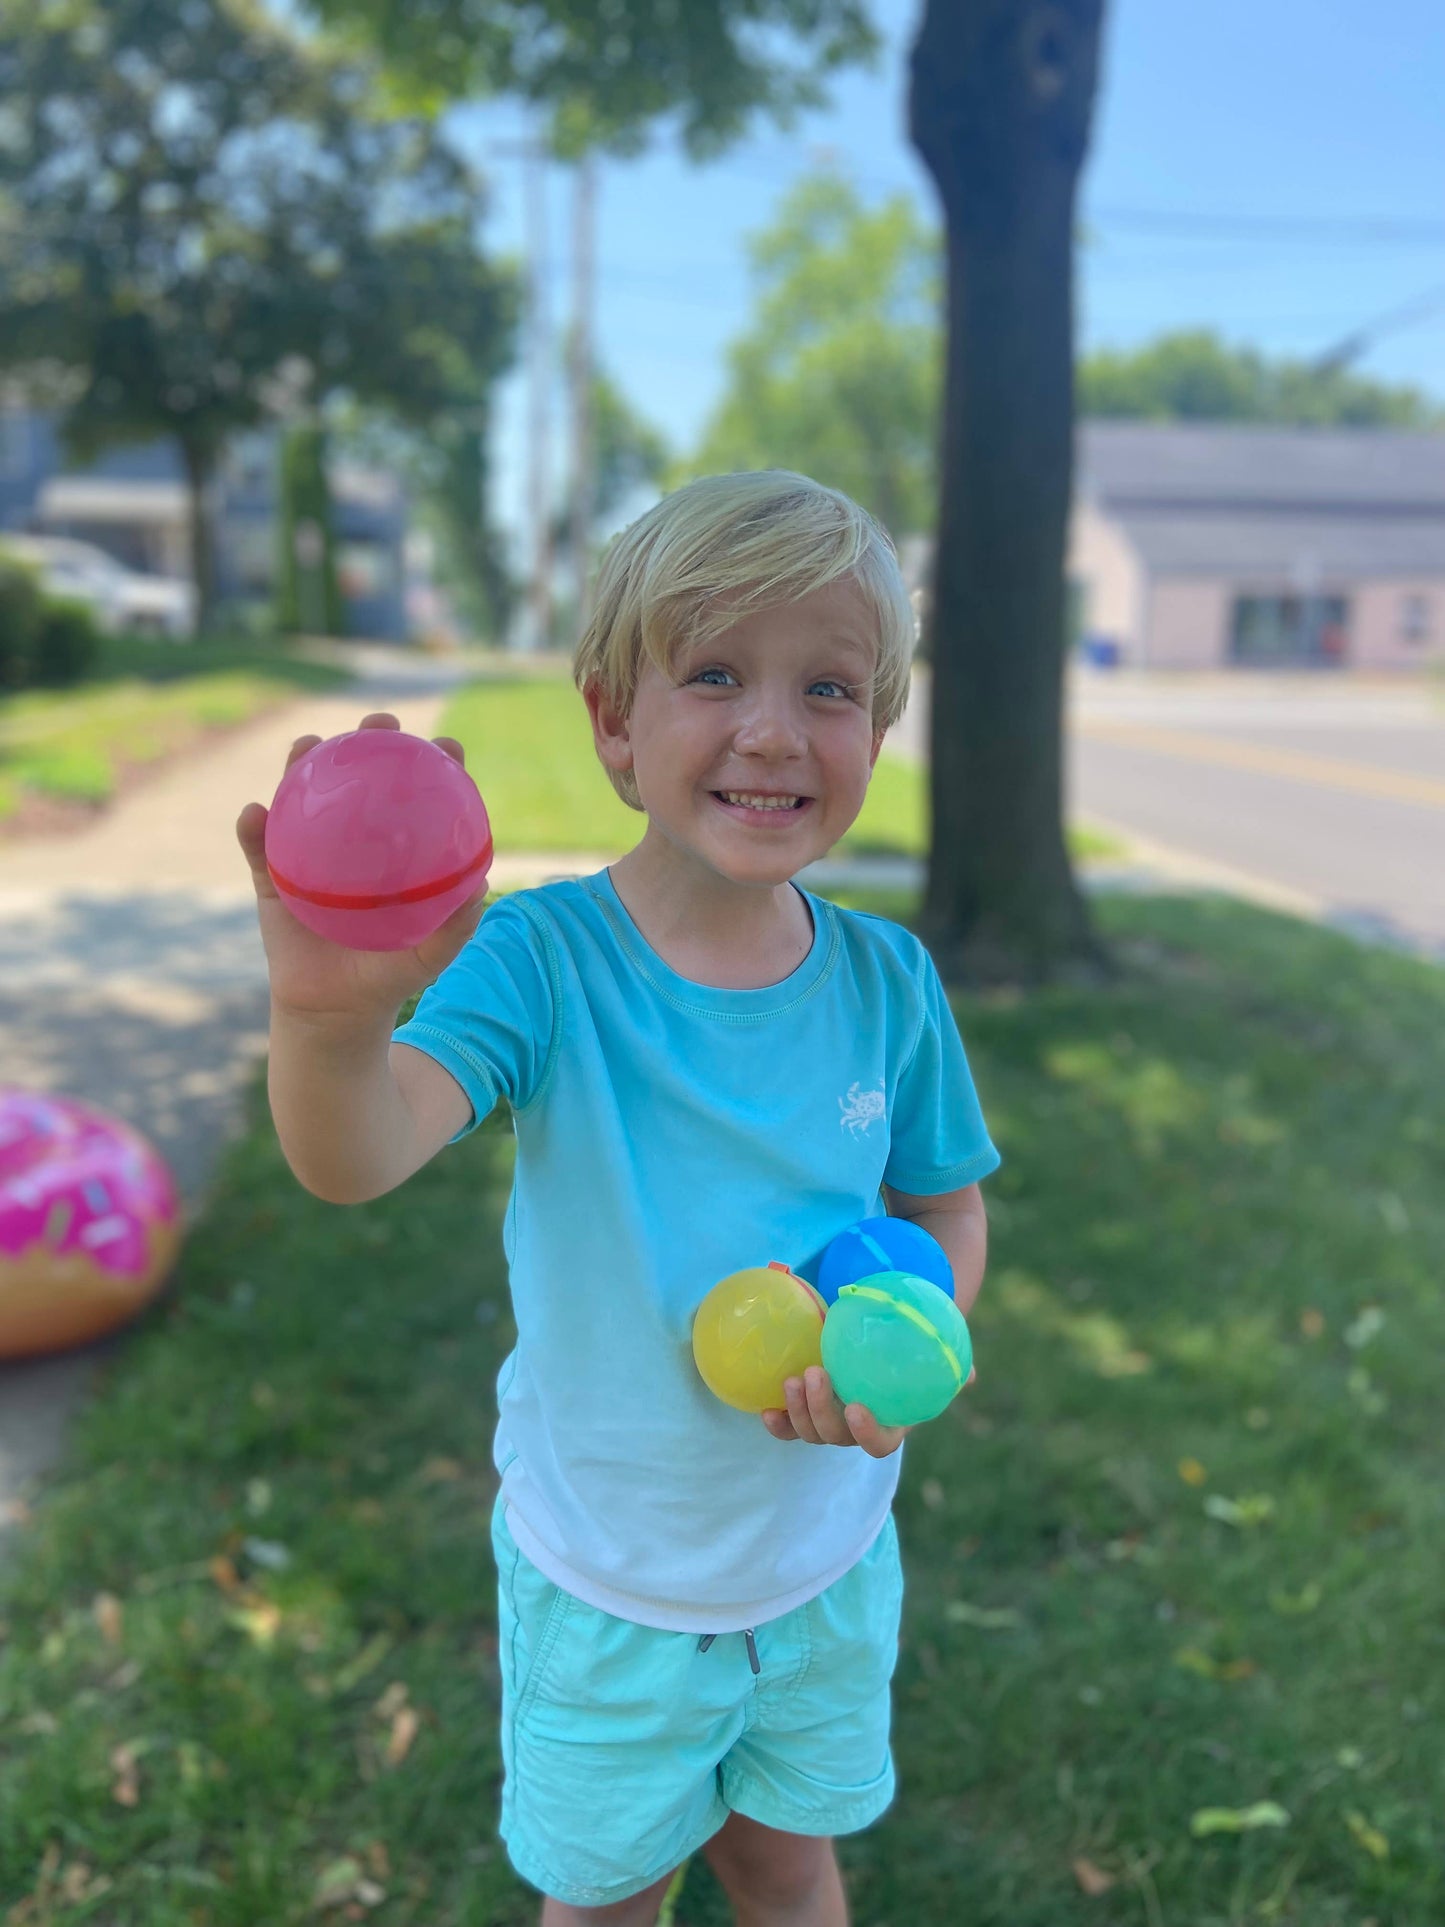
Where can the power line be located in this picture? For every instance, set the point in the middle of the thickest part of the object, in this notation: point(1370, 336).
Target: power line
point(1194, 223)
point(1354, 345)
point(1361, 229)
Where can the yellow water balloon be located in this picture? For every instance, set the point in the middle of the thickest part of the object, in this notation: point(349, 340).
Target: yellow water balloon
point(755, 1329)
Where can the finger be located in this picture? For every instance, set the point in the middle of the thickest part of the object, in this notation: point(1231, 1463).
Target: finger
point(251, 835)
point(825, 1408)
point(379, 719)
point(453, 749)
point(300, 748)
point(444, 943)
point(973, 1374)
point(802, 1418)
point(876, 1440)
point(778, 1423)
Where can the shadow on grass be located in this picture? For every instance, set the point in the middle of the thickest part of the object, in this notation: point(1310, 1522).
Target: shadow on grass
point(1178, 1550)
point(146, 659)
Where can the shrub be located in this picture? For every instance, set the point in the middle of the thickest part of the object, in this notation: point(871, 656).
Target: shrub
point(43, 643)
point(20, 619)
point(67, 646)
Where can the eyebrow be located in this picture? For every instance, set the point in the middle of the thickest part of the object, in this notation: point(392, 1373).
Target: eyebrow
point(867, 653)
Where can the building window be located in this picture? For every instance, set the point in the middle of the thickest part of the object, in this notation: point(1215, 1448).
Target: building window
point(1415, 618)
point(1289, 631)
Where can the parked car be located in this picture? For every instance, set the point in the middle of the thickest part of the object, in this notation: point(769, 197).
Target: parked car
point(122, 600)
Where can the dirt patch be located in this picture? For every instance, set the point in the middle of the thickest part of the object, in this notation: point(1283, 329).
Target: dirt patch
point(40, 814)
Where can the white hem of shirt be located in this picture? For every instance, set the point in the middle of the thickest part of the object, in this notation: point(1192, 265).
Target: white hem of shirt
point(678, 1616)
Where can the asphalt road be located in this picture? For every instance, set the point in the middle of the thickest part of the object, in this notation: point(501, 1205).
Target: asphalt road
point(1322, 796)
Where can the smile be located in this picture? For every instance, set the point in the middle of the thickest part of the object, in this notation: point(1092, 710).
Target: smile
point(761, 800)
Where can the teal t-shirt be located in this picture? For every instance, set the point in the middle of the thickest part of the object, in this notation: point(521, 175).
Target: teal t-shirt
point(668, 1134)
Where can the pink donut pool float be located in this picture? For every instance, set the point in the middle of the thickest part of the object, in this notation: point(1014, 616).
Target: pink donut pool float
point(90, 1223)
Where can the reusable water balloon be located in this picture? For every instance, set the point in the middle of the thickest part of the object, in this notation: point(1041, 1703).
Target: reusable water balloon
point(375, 837)
point(883, 1244)
point(89, 1223)
point(898, 1345)
point(752, 1331)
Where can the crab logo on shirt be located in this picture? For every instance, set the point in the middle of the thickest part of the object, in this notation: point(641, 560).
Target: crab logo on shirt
point(860, 1108)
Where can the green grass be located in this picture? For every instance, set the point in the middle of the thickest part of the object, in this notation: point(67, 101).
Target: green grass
point(144, 701)
point(530, 748)
point(1179, 1550)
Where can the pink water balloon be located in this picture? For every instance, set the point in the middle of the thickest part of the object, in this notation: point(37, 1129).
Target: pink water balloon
point(375, 837)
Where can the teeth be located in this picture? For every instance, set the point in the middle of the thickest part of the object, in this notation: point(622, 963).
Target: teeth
point(750, 799)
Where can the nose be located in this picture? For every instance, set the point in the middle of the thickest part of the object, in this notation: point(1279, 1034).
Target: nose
point(773, 725)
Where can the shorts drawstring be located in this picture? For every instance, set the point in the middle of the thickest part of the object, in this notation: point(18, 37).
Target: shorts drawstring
point(751, 1644)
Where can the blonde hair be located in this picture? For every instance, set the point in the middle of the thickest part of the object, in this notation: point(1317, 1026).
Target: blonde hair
point(725, 547)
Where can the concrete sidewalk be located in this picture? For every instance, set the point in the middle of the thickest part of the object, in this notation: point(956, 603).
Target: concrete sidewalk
point(133, 978)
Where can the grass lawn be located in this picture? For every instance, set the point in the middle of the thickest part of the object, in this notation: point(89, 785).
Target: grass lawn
point(1173, 1627)
point(144, 701)
point(529, 746)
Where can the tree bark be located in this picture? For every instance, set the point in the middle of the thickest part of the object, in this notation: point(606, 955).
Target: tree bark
point(1000, 103)
point(199, 461)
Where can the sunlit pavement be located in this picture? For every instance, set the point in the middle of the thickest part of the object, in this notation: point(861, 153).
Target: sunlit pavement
point(1319, 795)
point(132, 977)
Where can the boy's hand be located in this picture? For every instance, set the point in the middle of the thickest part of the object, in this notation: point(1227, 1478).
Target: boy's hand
point(317, 980)
point(816, 1414)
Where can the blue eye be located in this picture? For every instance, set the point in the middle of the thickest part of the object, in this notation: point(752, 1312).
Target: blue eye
point(703, 674)
point(831, 682)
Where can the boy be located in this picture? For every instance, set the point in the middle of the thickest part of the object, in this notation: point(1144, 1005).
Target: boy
point(708, 1068)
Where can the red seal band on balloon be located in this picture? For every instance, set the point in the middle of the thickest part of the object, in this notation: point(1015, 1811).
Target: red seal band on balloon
point(419, 893)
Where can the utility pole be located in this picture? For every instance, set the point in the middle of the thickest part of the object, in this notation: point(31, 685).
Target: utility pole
point(539, 373)
point(583, 489)
point(539, 355)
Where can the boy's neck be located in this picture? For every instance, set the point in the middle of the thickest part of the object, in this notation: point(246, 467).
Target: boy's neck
point(731, 936)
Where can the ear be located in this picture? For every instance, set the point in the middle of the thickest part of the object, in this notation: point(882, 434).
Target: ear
point(610, 734)
point(878, 736)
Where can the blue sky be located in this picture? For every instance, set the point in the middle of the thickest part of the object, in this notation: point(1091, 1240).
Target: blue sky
point(1271, 168)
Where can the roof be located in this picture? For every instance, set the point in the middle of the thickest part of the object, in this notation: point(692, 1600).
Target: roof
point(1231, 498)
point(83, 498)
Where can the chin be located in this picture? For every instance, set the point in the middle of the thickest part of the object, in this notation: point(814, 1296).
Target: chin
point(764, 869)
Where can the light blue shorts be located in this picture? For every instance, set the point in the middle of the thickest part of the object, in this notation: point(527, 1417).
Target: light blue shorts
point(625, 1748)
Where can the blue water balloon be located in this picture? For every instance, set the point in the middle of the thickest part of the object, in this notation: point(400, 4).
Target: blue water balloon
point(882, 1244)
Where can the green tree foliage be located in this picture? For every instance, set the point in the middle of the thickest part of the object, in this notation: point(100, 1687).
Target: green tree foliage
point(607, 71)
point(1193, 375)
point(840, 373)
point(200, 214)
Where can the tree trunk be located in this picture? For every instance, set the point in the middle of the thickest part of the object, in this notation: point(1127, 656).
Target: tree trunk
point(200, 462)
point(1001, 98)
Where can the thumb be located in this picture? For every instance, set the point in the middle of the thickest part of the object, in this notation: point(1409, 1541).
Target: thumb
point(251, 835)
point(444, 943)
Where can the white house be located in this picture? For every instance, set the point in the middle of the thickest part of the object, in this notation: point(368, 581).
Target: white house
point(1196, 545)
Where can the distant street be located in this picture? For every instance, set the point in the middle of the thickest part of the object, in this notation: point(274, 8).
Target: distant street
point(1323, 796)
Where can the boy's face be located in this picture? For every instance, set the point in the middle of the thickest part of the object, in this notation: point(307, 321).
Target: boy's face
point(754, 756)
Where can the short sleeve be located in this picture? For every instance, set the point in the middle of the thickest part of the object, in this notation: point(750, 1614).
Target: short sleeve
point(491, 1017)
point(938, 1141)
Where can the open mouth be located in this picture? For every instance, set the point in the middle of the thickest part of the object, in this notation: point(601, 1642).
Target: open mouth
point(757, 805)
